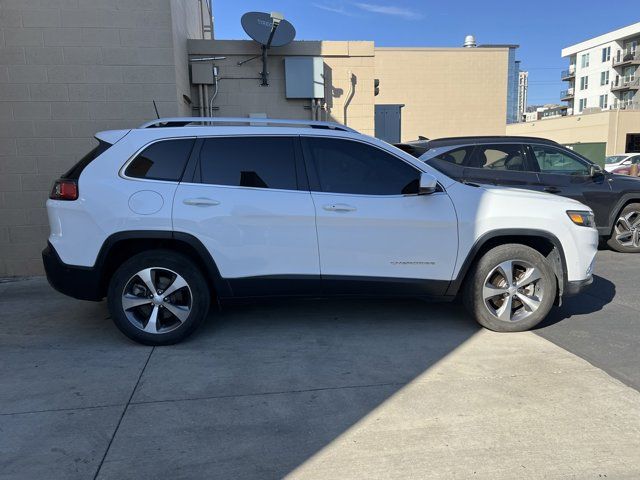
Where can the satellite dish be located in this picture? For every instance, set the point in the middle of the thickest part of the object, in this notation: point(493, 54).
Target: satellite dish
point(269, 30)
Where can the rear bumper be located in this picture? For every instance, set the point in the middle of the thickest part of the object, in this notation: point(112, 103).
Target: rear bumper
point(575, 287)
point(83, 283)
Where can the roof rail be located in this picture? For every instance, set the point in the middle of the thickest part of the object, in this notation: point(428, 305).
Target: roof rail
point(480, 139)
point(209, 121)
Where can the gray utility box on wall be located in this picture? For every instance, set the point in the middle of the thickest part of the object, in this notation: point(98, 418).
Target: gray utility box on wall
point(388, 122)
point(304, 77)
point(202, 74)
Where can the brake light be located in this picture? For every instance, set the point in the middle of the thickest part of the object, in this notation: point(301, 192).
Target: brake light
point(64, 189)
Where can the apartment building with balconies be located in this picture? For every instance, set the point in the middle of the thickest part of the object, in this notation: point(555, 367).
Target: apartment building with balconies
point(603, 73)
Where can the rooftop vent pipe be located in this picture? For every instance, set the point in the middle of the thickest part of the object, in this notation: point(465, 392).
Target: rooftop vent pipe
point(470, 41)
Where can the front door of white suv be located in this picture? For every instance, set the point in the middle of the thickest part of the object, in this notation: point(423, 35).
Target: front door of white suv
point(375, 233)
point(250, 206)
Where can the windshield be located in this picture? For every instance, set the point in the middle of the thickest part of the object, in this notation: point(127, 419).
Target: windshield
point(614, 159)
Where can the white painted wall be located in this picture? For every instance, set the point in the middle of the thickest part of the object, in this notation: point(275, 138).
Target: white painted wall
point(593, 72)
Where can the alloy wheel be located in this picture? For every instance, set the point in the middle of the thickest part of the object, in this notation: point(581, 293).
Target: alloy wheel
point(513, 290)
point(157, 300)
point(627, 230)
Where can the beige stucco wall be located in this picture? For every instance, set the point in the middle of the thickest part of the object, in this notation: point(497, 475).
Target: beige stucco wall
point(446, 91)
point(609, 127)
point(240, 92)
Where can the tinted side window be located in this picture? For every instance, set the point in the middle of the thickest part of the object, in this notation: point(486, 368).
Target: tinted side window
point(262, 162)
point(499, 157)
point(459, 156)
point(554, 160)
point(345, 166)
point(164, 160)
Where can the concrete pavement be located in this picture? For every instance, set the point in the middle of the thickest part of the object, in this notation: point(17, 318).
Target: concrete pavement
point(304, 389)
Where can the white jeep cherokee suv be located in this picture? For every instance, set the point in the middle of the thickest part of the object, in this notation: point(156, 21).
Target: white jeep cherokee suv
point(168, 217)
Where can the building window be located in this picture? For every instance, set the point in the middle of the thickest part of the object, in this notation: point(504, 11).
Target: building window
point(584, 82)
point(606, 54)
point(582, 104)
point(584, 60)
point(604, 78)
point(603, 101)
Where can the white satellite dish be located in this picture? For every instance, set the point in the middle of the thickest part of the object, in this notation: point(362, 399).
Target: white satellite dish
point(269, 30)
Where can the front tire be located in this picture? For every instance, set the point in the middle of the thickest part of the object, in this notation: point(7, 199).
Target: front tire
point(158, 297)
point(510, 289)
point(625, 237)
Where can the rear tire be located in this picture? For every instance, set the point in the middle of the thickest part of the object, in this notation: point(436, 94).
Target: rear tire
point(510, 289)
point(625, 237)
point(158, 297)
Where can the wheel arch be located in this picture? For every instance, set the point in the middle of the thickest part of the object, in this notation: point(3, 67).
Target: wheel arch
point(121, 246)
point(624, 201)
point(540, 240)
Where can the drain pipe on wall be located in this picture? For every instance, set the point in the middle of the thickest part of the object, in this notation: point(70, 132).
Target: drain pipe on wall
point(352, 87)
point(215, 90)
point(200, 102)
point(206, 100)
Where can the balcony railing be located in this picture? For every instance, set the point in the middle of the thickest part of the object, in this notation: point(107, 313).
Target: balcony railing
point(627, 82)
point(626, 57)
point(567, 94)
point(625, 105)
point(569, 73)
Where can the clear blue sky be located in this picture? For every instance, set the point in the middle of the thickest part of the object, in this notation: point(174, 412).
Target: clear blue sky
point(541, 27)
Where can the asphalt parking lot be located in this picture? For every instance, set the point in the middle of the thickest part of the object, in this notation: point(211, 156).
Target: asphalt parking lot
point(324, 389)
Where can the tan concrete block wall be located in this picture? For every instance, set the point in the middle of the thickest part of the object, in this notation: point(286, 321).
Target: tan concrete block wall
point(70, 68)
point(240, 93)
point(571, 129)
point(446, 91)
point(610, 127)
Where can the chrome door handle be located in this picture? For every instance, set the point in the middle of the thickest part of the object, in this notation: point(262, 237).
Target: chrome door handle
point(201, 202)
point(339, 207)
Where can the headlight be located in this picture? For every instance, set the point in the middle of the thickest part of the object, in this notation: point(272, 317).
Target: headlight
point(582, 218)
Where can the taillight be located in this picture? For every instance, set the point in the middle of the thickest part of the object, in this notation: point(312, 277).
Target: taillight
point(64, 189)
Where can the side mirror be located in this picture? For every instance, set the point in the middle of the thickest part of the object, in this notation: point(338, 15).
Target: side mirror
point(595, 170)
point(428, 184)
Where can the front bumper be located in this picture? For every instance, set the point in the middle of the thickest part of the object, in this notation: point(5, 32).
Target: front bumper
point(83, 283)
point(575, 287)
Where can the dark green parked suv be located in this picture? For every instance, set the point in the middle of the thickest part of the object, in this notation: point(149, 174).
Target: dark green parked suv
point(543, 165)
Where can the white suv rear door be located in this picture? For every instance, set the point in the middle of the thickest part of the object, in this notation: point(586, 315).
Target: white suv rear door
point(374, 231)
point(250, 206)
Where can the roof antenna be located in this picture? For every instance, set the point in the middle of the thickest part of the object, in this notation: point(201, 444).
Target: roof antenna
point(156, 108)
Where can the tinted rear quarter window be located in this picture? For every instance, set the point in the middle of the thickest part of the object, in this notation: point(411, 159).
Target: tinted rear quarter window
point(345, 166)
point(163, 160)
point(259, 162)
